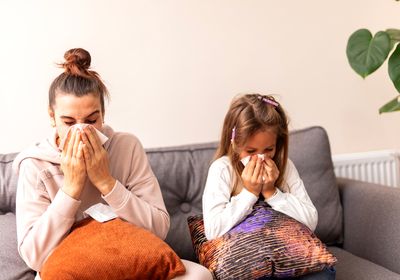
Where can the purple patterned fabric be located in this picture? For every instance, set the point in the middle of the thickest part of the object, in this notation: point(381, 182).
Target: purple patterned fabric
point(265, 244)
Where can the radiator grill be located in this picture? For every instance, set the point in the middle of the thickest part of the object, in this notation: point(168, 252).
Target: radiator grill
point(380, 167)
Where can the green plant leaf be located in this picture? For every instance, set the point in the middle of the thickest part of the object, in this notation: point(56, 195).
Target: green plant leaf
point(394, 35)
point(366, 53)
point(392, 106)
point(394, 67)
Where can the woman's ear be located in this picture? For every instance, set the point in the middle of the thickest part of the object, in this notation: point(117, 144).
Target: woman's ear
point(52, 118)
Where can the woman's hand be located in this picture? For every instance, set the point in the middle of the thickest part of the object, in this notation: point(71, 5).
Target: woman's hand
point(96, 159)
point(73, 165)
point(252, 175)
point(270, 175)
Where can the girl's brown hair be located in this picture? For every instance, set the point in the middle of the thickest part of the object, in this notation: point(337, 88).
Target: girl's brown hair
point(77, 79)
point(247, 115)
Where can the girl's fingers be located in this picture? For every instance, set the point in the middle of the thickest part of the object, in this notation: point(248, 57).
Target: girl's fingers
point(268, 169)
point(257, 169)
point(269, 162)
point(271, 173)
point(260, 178)
point(249, 168)
point(265, 171)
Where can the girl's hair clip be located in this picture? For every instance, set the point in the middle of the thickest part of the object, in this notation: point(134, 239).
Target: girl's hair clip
point(233, 134)
point(269, 101)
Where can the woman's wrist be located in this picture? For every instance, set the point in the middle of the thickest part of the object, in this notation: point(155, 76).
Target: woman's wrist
point(75, 193)
point(106, 186)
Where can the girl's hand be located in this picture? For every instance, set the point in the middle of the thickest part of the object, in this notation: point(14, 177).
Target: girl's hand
point(252, 175)
point(270, 174)
point(73, 165)
point(96, 159)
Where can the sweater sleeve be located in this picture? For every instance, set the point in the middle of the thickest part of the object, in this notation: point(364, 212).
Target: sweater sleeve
point(136, 196)
point(295, 203)
point(221, 211)
point(41, 223)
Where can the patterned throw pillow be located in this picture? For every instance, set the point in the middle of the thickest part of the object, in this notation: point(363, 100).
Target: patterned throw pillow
point(266, 243)
point(111, 250)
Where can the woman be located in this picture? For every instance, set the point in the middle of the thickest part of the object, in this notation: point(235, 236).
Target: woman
point(64, 175)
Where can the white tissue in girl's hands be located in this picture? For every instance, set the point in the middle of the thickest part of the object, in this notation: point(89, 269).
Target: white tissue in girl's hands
point(246, 160)
point(81, 126)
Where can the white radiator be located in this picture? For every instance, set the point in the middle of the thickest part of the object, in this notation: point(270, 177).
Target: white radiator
point(381, 167)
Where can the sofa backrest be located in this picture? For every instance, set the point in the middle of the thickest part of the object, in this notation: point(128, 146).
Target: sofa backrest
point(309, 149)
point(182, 172)
point(8, 183)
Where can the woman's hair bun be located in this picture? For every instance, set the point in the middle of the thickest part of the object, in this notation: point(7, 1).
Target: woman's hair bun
point(77, 61)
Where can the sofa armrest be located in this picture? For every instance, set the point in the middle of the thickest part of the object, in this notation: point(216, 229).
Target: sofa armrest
point(371, 221)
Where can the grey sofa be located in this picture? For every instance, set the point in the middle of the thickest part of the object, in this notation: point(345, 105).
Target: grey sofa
point(359, 221)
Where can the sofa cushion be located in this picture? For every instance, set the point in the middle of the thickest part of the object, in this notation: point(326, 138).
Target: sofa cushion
point(112, 250)
point(266, 243)
point(310, 151)
point(350, 266)
point(182, 172)
point(372, 225)
point(8, 183)
point(11, 264)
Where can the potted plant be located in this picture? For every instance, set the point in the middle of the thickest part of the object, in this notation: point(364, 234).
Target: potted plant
point(366, 53)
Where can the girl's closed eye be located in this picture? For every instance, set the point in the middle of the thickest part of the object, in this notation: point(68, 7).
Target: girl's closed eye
point(69, 123)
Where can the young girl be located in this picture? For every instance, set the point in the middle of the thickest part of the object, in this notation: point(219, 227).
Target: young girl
point(59, 180)
point(252, 163)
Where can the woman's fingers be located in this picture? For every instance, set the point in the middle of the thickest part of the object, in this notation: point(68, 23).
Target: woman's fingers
point(70, 143)
point(93, 138)
point(67, 139)
point(77, 141)
point(88, 149)
point(79, 153)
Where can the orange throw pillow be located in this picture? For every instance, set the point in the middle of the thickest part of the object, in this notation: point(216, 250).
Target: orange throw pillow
point(112, 250)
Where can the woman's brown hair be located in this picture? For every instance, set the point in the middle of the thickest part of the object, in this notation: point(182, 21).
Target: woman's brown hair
point(248, 114)
point(77, 79)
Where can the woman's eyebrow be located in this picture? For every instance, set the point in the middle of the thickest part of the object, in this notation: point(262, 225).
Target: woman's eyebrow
point(66, 117)
point(90, 115)
point(94, 113)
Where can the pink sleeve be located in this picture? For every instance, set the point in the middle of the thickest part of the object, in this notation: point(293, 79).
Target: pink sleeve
point(137, 199)
point(41, 223)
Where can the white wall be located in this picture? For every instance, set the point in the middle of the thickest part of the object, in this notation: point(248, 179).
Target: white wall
point(172, 67)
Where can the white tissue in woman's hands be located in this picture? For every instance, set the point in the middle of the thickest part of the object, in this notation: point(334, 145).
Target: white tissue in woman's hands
point(246, 160)
point(81, 126)
point(100, 212)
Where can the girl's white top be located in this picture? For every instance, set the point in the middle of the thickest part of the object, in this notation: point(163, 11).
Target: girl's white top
point(221, 211)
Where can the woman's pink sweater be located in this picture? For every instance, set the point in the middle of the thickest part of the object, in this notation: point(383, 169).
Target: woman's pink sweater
point(45, 213)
